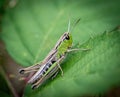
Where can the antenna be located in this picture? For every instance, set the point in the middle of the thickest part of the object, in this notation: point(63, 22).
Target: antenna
point(69, 26)
point(75, 23)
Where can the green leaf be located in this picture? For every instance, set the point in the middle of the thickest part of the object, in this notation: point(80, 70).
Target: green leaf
point(31, 29)
point(88, 72)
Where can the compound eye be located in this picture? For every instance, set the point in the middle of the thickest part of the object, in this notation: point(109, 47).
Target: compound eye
point(67, 37)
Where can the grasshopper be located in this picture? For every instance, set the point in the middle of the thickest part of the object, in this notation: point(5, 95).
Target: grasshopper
point(50, 66)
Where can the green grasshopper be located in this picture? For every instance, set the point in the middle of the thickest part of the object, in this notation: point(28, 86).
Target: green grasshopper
point(51, 64)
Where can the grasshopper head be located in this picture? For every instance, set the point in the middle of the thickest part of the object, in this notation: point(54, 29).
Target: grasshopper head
point(67, 38)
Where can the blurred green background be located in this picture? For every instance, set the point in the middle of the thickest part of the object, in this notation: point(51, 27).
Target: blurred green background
point(30, 28)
